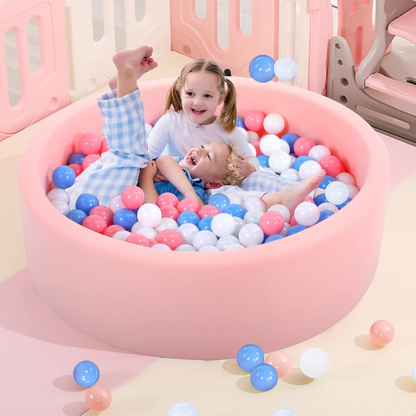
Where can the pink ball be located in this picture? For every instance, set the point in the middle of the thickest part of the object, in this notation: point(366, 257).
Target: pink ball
point(271, 222)
point(169, 211)
point(169, 237)
point(254, 120)
point(104, 212)
point(104, 146)
point(256, 145)
point(113, 229)
point(77, 168)
point(331, 164)
point(89, 160)
point(89, 144)
point(167, 199)
point(303, 145)
point(208, 211)
point(95, 223)
point(281, 362)
point(308, 199)
point(188, 204)
point(382, 332)
point(138, 239)
point(293, 222)
point(98, 397)
point(132, 197)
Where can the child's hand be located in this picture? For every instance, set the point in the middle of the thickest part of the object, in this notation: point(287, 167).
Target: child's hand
point(149, 171)
point(243, 166)
point(159, 178)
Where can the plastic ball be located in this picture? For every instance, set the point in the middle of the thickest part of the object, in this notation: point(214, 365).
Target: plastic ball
point(77, 168)
point(86, 373)
point(235, 210)
point(253, 216)
point(324, 214)
point(249, 357)
point(298, 162)
point(223, 224)
point(98, 398)
point(208, 211)
point(76, 158)
point(138, 239)
point(336, 192)
point(77, 216)
point(286, 229)
point(263, 161)
point(188, 217)
point(269, 144)
point(254, 202)
point(239, 224)
point(148, 232)
point(284, 411)
point(188, 232)
point(235, 198)
point(63, 177)
point(314, 363)
point(306, 214)
point(188, 204)
point(327, 206)
point(281, 362)
point(116, 204)
point(160, 246)
point(273, 237)
point(254, 120)
point(104, 146)
point(121, 235)
point(89, 143)
point(220, 201)
point(132, 197)
point(166, 224)
point(89, 160)
point(204, 238)
point(251, 235)
point(103, 212)
point(243, 132)
point(169, 211)
point(112, 230)
point(285, 68)
point(382, 332)
point(182, 409)
point(346, 177)
point(271, 222)
point(261, 68)
point(303, 145)
point(169, 237)
point(149, 215)
point(331, 164)
point(295, 229)
point(61, 206)
point(318, 152)
point(286, 148)
point(186, 248)
point(291, 174)
point(227, 241)
point(309, 168)
point(326, 181)
point(264, 377)
point(167, 198)
point(340, 206)
point(290, 139)
point(125, 217)
point(279, 161)
point(95, 223)
point(58, 194)
point(86, 202)
point(274, 123)
point(205, 224)
point(208, 249)
point(282, 210)
point(252, 136)
point(240, 123)
point(352, 191)
point(232, 247)
point(320, 199)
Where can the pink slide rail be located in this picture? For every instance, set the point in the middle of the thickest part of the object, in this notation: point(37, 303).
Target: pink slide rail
point(45, 90)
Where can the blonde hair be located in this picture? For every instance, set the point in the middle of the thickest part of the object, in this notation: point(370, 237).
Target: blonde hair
point(228, 114)
point(230, 175)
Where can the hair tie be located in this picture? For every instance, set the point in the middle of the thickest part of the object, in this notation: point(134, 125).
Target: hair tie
point(227, 72)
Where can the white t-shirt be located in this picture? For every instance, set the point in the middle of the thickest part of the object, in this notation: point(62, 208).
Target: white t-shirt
point(178, 134)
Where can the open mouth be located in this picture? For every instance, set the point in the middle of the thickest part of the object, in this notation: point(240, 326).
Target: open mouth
point(191, 159)
point(198, 112)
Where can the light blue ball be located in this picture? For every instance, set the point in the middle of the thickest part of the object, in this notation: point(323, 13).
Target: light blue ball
point(295, 229)
point(261, 68)
point(86, 373)
point(220, 201)
point(205, 224)
point(249, 357)
point(274, 237)
point(264, 377)
point(285, 68)
point(188, 217)
point(182, 409)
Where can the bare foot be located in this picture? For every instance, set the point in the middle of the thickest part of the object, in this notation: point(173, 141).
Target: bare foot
point(291, 197)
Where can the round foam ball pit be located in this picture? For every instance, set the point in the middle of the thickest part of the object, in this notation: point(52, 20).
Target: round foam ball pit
point(208, 305)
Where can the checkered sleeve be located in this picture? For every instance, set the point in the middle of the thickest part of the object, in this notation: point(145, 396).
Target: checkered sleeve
point(266, 182)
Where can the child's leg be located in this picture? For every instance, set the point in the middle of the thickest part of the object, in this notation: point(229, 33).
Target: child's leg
point(291, 197)
point(131, 65)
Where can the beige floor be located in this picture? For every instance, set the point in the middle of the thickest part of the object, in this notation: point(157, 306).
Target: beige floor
point(362, 380)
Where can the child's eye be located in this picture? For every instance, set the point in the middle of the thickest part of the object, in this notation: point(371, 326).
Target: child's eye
point(190, 94)
point(209, 157)
point(208, 96)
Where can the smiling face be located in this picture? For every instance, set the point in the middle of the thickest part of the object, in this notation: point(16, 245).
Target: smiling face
point(200, 97)
point(207, 162)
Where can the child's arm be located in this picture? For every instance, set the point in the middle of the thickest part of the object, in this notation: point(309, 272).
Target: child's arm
point(146, 182)
point(174, 174)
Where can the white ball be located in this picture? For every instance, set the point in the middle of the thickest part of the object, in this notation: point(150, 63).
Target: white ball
point(307, 214)
point(204, 238)
point(223, 224)
point(166, 224)
point(336, 192)
point(186, 248)
point(270, 143)
point(160, 246)
point(282, 210)
point(232, 247)
point(61, 206)
point(253, 202)
point(58, 194)
point(116, 204)
point(252, 136)
point(352, 191)
point(226, 241)
point(327, 206)
point(314, 363)
point(285, 68)
point(149, 215)
point(253, 149)
point(274, 123)
point(346, 178)
point(291, 174)
point(292, 159)
point(239, 223)
point(121, 235)
point(253, 215)
point(280, 161)
point(309, 168)
point(243, 132)
point(148, 232)
point(318, 152)
point(208, 248)
point(187, 232)
point(235, 198)
point(251, 235)
point(136, 227)
point(284, 411)
point(286, 228)
point(285, 147)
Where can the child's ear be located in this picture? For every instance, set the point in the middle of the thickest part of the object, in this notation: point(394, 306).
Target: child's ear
point(222, 96)
point(213, 185)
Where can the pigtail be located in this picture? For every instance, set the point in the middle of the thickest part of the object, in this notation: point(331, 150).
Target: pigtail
point(228, 115)
point(173, 98)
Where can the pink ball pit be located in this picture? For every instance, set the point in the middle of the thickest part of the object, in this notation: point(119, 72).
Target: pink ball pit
point(208, 305)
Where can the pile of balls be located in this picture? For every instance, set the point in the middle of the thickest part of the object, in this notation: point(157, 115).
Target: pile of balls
point(263, 68)
point(228, 222)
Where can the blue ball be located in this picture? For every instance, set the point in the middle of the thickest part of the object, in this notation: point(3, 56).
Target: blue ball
point(249, 357)
point(274, 237)
point(290, 138)
point(295, 229)
point(86, 202)
point(326, 181)
point(77, 216)
point(125, 217)
point(340, 206)
point(205, 224)
point(220, 201)
point(298, 162)
point(320, 199)
point(324, 214)
point(261, 68)
point(77, 158)
point(63, 177)
point(263, 161)
point(264, 377)
point(235, 210)
point(240, 123)
point(188, 217)
point(86, 373)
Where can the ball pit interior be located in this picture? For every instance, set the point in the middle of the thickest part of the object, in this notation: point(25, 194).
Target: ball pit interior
point(208, 305)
